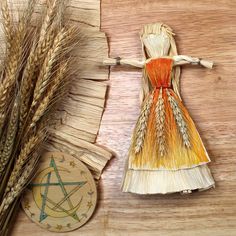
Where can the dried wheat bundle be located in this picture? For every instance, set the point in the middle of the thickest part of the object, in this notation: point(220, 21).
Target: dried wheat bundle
point(34, 74)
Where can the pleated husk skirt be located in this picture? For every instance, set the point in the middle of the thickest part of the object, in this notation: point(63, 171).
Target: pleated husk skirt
point(167, 154)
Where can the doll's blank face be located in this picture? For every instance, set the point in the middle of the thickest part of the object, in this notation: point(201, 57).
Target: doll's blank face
point(156, 45)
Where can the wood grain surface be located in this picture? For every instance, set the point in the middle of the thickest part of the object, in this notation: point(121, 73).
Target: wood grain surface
point(204, 28)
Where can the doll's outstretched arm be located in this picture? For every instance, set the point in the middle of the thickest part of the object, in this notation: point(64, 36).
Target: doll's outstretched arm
point(121, 61)
point(183, 60)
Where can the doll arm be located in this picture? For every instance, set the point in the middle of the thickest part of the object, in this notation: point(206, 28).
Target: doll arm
point(183, 60)
point(121, 61)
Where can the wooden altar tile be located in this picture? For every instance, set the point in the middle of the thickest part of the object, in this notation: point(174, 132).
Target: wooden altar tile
point(62, 197)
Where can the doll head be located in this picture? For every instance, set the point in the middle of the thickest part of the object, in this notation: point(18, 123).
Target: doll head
point(157, 40)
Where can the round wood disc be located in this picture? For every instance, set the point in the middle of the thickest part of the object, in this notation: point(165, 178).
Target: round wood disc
point(63, 195)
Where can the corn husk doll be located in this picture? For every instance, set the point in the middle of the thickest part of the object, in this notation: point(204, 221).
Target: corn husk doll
point(167, 154)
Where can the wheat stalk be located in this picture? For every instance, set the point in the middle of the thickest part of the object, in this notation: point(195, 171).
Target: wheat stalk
point(142, 124)
point(48, 99)
point(10, 136)
point(19, 186)
point(24, 155)
point(2, 119)
point(28, 82)
point(37, 53)
point(179, 120)
point(49, 17)
point(7, 23)
point(160, 122)
point(44, 77)
point(2, 143)
point(13, 63)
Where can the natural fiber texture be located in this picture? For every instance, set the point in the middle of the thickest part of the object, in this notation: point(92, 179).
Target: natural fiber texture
point(36, 71)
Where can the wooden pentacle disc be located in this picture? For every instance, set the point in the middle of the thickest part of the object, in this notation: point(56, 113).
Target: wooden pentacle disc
point(62, 196)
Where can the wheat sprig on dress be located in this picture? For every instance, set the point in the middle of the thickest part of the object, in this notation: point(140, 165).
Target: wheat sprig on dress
point(179, 120)
point(142, 124)
point(160, 123)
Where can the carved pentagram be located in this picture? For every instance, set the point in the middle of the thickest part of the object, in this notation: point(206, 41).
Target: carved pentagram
point(62, 196)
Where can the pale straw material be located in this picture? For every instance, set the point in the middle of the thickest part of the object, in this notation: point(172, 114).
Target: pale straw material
point(164, 181)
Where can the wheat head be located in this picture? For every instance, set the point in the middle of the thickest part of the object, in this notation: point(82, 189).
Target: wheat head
point(179, 119)
point(10, 136)
point(142, 124)
point(160, 124)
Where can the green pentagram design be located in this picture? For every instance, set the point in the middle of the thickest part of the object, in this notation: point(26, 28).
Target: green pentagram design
point(62, 197)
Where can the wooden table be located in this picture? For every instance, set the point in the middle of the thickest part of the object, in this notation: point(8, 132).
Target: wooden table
point(204, 28)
